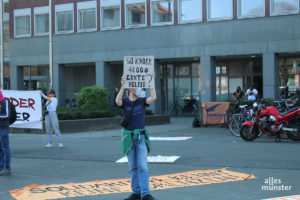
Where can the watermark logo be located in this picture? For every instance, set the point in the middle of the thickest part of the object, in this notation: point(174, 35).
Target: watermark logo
point(275, 184)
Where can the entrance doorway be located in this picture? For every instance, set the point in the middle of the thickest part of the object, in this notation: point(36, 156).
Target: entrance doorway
point(180, 82)
point(238, 72)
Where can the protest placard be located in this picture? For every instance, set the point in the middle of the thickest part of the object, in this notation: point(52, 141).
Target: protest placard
point(28, 107)
point(138, 71)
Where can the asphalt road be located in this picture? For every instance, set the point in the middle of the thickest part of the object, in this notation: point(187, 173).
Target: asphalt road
point(91, 156)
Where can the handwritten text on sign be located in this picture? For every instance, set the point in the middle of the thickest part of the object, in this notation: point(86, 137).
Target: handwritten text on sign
point(28, 108)
point(114, 186)
point(138, 71)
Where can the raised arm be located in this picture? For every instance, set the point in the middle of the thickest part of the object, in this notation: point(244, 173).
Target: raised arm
point(44, 96)
point(118, 99)
point(152, 98)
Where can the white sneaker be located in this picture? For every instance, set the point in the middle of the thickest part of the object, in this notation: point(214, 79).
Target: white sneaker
point(49, 145)
point(60, 145)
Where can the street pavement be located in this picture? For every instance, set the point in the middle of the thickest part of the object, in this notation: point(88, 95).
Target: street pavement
point(90, 156)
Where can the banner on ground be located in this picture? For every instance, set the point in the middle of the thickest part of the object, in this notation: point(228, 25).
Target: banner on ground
point(296, 197)
point(101, 187)
point(214, 112)
point(138, 71)
point(28, 107)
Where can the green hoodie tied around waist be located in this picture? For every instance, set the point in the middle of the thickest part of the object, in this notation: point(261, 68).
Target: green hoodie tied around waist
point(127, 141)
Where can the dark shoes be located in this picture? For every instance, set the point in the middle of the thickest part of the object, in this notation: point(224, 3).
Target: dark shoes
point(134, 197)
point(138, 197)
point(5, 172)
point(148, 197)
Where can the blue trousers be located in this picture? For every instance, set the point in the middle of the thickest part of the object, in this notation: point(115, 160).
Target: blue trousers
point(138, 167)
point(4, 149)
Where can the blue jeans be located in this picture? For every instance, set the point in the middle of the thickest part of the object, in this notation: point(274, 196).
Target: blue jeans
point(4, 151)
point(138, 167)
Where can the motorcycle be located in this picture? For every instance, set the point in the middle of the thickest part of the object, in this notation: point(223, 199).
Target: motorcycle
point(268, 120)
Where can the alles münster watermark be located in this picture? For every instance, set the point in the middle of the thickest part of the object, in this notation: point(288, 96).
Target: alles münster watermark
point(275, 184)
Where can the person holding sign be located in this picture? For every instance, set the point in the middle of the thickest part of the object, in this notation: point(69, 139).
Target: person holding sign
point(51, 120)
point(135, 140)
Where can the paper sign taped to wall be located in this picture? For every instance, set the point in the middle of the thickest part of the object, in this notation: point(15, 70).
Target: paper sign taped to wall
point(28, 107)
point(138, 71)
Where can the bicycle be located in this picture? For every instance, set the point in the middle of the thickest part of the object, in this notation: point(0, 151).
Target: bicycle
point(236, 120)
point(176, 109)
point(233, 109)
point(196, 121)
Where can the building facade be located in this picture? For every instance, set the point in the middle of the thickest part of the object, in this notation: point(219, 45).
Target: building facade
point(202, 48)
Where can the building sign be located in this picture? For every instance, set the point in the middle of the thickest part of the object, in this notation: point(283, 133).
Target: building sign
point(28, 107)
point(101, 187)
point(138, 71)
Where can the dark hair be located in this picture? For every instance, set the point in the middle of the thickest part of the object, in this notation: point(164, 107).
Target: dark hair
point(52, 91)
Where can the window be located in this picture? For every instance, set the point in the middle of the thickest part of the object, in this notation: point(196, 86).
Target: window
point(221, 82)
point(41, 20)
point(250, 8)
point(87, 16)
point(110, 14)
point(284, 6)
point(219, 9)
point(190, 10)
point(64, 18)
point(135, 13)
point(22, 22)
point(162, 11)
point(289, 74)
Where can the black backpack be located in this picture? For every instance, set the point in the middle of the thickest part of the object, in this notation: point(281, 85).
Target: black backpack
point(8, 111)
point(12, 114)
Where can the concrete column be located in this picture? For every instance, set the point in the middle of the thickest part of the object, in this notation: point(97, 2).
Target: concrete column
point(270, 76)
point(208, 78)
point(158, 78)
point(102, 74)
point(16, 77)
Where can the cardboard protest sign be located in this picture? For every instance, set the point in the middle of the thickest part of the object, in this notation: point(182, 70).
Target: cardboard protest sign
point(28, 107)
point(138, 71)
point(214, 112)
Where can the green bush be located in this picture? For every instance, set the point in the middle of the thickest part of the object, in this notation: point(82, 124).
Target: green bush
point(69, 113)
point(93, 98)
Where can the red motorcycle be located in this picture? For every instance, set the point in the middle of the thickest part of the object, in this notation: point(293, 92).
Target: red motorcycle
point(268, 120)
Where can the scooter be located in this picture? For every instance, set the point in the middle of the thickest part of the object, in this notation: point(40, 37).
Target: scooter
point(268, 120)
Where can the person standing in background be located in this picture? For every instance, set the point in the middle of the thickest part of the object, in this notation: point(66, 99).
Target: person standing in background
point(238, 94)
point(252, 93)
point(4, 137)
point(51, 120)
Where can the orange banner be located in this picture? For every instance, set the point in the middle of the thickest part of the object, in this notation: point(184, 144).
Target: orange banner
point(100, 187)
point(214, 112)
point(296, 197)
